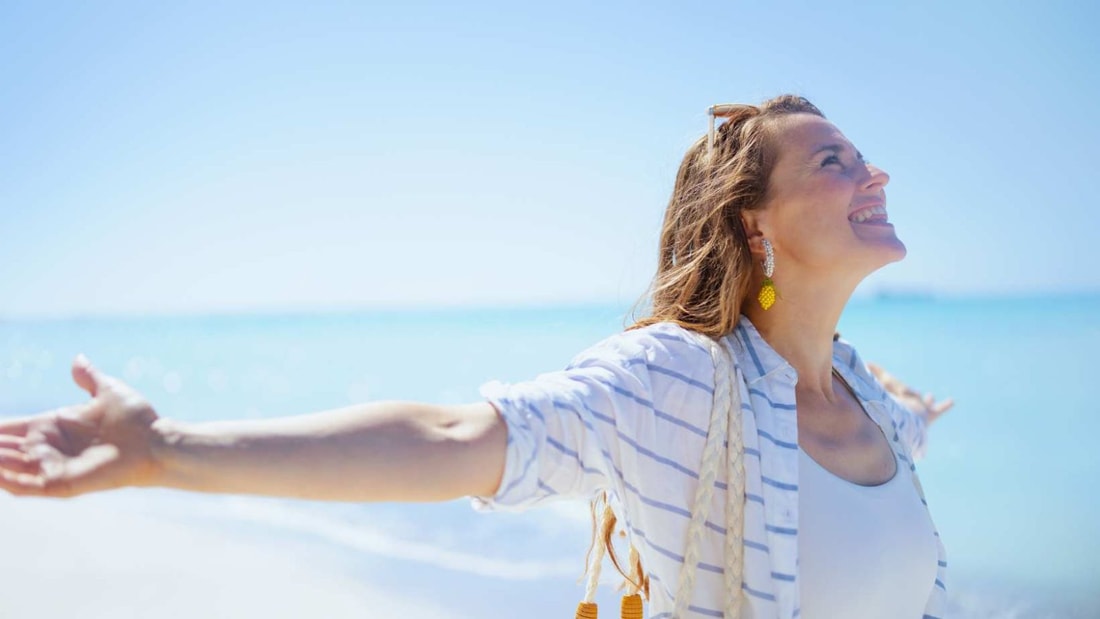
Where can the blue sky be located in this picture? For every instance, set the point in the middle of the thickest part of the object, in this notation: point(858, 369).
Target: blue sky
point(195, 157)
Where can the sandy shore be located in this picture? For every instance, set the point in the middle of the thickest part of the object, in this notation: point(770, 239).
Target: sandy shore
point(153, 555)
point(88, 558)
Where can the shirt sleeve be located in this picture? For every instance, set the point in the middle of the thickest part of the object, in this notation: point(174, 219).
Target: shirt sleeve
point(566, 429)
point(912, 428)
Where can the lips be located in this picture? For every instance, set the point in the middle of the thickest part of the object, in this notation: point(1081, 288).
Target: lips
point(871, 213)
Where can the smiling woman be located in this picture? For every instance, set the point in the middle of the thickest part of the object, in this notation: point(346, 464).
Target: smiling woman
point(825, 200)
point(710, 400)
point(768, 200)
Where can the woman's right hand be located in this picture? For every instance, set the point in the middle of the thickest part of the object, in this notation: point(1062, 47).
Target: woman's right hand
point(105, 443)
point(924, 405)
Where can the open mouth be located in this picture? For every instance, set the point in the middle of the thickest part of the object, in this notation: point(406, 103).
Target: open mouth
point(872, 215)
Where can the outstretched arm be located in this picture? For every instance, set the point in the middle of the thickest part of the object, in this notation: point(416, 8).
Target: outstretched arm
point(385, 451)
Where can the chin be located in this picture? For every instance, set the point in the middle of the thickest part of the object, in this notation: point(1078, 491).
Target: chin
point(887, 248)
point(885, 253)
point(899, 251)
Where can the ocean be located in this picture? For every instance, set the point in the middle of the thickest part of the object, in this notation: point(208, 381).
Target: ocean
point(1010, 475)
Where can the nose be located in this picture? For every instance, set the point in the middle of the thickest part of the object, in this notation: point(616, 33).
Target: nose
point(876, 177)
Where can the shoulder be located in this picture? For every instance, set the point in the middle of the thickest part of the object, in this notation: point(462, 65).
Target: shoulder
point(662, 366)
point(663, 344)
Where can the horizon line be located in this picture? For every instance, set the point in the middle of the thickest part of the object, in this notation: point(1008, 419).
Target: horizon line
point(883, 295)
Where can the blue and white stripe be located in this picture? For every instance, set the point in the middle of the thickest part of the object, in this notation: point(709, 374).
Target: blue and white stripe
point(629, 416)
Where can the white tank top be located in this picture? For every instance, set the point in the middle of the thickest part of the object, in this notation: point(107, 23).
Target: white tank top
point(864, 552)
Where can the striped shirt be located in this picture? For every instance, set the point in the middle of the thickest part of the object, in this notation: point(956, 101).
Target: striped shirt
point(629, 416)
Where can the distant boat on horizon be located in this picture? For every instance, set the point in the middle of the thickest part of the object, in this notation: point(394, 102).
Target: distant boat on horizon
point(903, 294)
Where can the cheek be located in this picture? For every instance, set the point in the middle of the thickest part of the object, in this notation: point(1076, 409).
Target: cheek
point(817, 227)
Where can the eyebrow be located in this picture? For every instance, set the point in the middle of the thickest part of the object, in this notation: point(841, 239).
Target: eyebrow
point(835, 148)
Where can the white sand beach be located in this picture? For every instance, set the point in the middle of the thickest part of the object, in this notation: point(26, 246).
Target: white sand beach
point(89, 558)
point(152, 554)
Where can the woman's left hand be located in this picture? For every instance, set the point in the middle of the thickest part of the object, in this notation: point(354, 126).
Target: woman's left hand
point(924, 405)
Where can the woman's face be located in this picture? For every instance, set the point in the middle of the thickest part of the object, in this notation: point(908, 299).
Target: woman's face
point(825, 209)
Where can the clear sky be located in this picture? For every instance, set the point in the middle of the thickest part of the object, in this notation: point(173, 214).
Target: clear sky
point(210, 156)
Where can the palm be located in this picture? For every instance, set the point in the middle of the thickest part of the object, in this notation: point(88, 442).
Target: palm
point(99, 445)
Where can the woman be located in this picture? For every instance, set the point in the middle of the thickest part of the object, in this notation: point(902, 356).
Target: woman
point(773, 222)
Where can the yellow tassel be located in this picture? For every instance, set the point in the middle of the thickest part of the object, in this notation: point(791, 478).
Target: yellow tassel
point(632, 607)
point(767, 294)
point(587, 610)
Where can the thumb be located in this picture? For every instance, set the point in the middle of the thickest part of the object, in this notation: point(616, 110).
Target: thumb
point(89, 378)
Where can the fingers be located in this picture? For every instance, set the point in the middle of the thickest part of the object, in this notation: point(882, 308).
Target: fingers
point(11, 442)
point(15, 427)
point(49, 476)
point(18, 462)
point(895, 387)
point(39, 473)
point(934, 409)
point(88, 377)
point(20, 427)
point(32, 468)
point(21, 484)
point(21, 472)
point(943, 407)
point(908, 396)
point(35, 484)
point(97, 383)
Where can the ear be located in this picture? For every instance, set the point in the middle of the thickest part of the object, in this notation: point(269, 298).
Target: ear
point(754, 223)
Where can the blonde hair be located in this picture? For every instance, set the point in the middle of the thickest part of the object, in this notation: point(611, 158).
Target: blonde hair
point(705, 266)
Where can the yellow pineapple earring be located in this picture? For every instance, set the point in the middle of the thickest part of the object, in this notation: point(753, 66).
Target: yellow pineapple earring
point(767, 292)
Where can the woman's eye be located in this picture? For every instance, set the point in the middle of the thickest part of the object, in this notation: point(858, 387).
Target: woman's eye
point(830, 159)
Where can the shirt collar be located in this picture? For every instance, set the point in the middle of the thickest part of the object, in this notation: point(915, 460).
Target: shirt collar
point(757, 358)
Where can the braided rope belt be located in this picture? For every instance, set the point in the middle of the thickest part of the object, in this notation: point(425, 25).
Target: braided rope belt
point(725, 407)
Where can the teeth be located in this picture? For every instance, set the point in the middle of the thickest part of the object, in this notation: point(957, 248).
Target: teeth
point(867, 213)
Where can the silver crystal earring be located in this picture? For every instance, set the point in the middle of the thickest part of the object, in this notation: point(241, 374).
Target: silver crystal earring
point(767, 292)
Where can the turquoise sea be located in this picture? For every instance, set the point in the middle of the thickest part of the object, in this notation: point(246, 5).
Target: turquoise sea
point(1011, 474)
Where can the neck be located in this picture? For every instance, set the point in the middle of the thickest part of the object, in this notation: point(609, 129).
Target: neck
point(800, 327)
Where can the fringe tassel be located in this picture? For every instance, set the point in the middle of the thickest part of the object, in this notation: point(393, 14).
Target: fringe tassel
point(631, 607)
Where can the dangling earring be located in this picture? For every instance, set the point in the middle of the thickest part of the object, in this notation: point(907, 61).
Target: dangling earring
point(767, 292)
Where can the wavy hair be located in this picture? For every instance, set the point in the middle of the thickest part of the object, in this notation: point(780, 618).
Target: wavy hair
point(705, 266)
